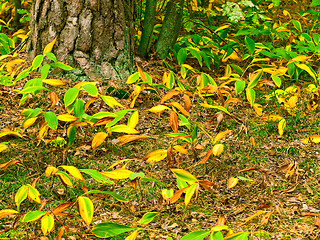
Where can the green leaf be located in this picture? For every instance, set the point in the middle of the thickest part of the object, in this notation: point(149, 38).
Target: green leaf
point(70, 96)
point(315, 3)
point(91, 89)
point(250, 44)
point(297, 25)
point(78, 108)
point(51, 119)
point(32, 89)
point(216, 236)
point(120, 114)
point(148, 217)
point(276, 3)
point(33, 216)
point(37, 62)
point(45, 71)
point(135, 175)
point(190, 192)
point(71, 135)
point(184, 175)
point(133, 78)
point(182, 55)
point(63, 66)
point(276, 80)
point(240, 86)
point(255, 79)
point(113, 194)
point(51, 56)
point(198, 235)
point(251, 96)
point(96, 176)
point(110, 229)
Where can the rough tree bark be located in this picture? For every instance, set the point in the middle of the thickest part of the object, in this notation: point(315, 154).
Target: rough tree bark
point(95, 35)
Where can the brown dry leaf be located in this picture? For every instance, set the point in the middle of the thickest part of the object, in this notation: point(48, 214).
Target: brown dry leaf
point(174, 122)
point(187, 102)
point(62, 207)
point(141, 74)
point(129, 138)
point(169, 95)
point(207, 185)
point(179, 107)
point(221, 221)
point(232, 182)
point(206, 158)
point(177, 195)
point(291, 169)
point(265, 218)
point(252, 141)
point(170, 156)
point(133, 183)
point(54, 99)
point(8, 163)
point(103, 121)
point(317, 222)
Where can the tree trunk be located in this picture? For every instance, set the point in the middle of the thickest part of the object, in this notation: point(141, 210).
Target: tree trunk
point(170, 28)
point(94, 35)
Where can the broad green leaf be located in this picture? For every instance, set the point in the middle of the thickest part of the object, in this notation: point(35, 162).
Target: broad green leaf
point(250, 44)
point(255, 79)
point(182, 55)
point(51, 119)
point(297, 25)
point(44, 71)
point(37, 61)
point(119, 115)
point(51, 56)
point(133, 78)
point(33, 216)
point(63, 66)
point(78, 108)
point(184, 176)
point(276, 80)
point(96, 176)
point(315, 3)
point(240, 85)
point(113, 194)
point(47, 223)
point(70, 96)
point(32, 89)
point(216, 236)
point(109, 229)
point(85, 209)
point(91, 89)
point(198, 235)
point(148, 217)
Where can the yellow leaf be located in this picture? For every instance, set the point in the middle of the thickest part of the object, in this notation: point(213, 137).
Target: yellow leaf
point(85, 209)
point(49, 47)
point(167, 193)
point(217, 149)
point(307, 69)
point(136, 92)
point(33, 194)
point(180, 149)
point(221, 28)
point(43, 131)
point(73, 171)
point(293, 101)
point(47, 223)
point(257, 108)
point(64, 179)
point(272, 117)
point(221, 135)
point(133, 235)
point(2, 148)
point(50, 171)
point(184, 176)
point(67, 118)
point(311, 139)
point(251, 217)
point(158, 109)
point(98, 139)
point(13, 62)
point(282, 124)
point(27, 123)
point(180, 108)
point(117, 173)
point(110, 101)
point(232, 182)
point(121, 128)
point(6, 212)
point(54, 82)
point(300, 58)
point(133, 119)
point(79, 85)
point(286, 13)
point(7, 132)
point(189, 193)
point(156, 156)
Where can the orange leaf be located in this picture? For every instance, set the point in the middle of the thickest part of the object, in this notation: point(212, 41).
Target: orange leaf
point(174, 122)
point(169, 95)
point(98, 139)
point(179, 107)
point(62, 207)
point(8, 163)
point(265, 218)
point(129, 138)
point(54, 99)
point(187, 102)
point(206, 158)
point(222, 135)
